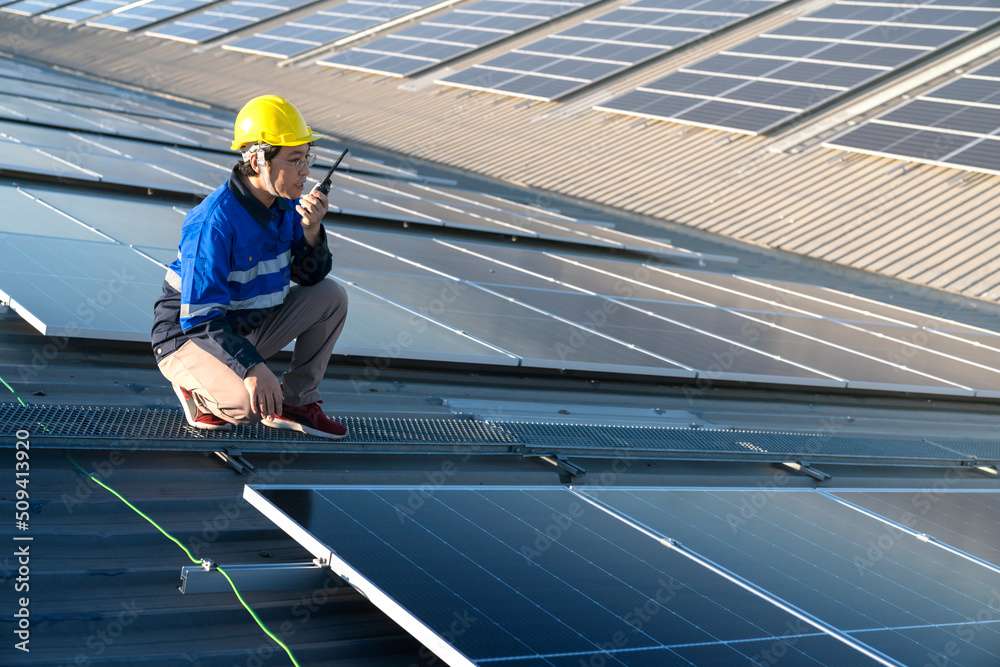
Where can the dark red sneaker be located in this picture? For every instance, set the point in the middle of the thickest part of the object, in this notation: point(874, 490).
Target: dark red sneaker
point(194, 416)
point(307, 419)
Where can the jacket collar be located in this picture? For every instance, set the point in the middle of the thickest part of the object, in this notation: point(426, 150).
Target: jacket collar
point(260, 213)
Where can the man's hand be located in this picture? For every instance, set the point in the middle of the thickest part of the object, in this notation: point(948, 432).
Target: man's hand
point(312, 207)
point(264, 390)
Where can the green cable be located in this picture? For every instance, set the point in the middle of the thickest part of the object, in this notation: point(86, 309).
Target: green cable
point(193, 560)
point(23, 404)
point(172, 539)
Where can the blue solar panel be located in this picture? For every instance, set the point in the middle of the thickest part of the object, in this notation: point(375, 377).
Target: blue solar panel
point(873, 581)
point(537, 577)
point(326, 27)
point(135, 17)
point(956, 124)
point(33, 7)
point(81, 11)
point(771, 79)
point(222, 19)
point(559, 64)
point(450, 35)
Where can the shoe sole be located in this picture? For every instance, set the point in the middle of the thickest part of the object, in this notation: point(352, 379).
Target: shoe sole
point(187, 405)
point(301, 428)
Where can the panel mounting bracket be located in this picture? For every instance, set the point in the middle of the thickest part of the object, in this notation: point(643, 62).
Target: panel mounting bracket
point(806, 468)
point(234, 457)
point(263, 577)
point(567, 469)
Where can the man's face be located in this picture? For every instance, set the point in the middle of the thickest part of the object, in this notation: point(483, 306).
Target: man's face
point(289, 181)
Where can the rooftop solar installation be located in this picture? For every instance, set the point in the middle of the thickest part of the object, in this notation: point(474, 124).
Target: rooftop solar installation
point(486, 557)
point(773, 78)
point(559, 64)
point(143, 13)
point(432, 42)
point(956, 125)
point(327, 26)
point(223, 19)
point(82, 11)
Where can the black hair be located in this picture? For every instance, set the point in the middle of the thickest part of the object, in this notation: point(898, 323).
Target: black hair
point(244, 168)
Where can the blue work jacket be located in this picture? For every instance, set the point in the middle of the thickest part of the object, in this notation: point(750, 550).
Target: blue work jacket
point(235, 263)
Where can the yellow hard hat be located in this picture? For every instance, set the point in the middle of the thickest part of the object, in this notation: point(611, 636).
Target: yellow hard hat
point(273, 120)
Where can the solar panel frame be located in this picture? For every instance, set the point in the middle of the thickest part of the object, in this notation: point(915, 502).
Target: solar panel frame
point(223, 19)
point(32, 7)
point(842, 34)
point(136, 15)
point(625, 37)
point(326, 28)
point(380, 522)
point(411, 51)
point(955, 124)
point(79, 12)
point(811, 551)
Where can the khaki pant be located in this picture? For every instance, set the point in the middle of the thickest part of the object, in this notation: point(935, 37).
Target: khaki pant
point(314, 315)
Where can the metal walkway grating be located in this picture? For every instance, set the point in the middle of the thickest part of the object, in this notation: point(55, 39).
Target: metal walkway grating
point(143, 428)
point(570, 436)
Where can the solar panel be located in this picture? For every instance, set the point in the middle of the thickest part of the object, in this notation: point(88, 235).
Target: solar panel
point(533, 335)
point(964, 520)
point(873, 582)
point(33, 7)
point(957, 124)
point(559, 64)
point(81, 11)
point(139, 15)
point(773, 78)
point(381, 328)
point(79, 288)
point(223, 19)
point(692, 322)
point(536, 576)
point(456, 33)
point(128, 124)
point(327, 26)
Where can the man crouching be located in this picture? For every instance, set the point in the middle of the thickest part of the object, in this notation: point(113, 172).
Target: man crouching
point(229, 301)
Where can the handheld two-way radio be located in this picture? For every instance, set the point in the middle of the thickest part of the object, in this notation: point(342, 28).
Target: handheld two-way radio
point(324, 185)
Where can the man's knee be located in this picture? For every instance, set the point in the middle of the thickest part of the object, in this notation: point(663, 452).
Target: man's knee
point(239, 411)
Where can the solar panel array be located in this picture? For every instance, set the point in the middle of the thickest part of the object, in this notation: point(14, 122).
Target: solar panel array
point(506, 305)
point(432, 42)
point(82, 11)
point(771, 79)
point(637, 577)
point(955, 125)
point(221, 20)
point(559, 64)
point(139, 15)
point(327, 26)
point(33, 7)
